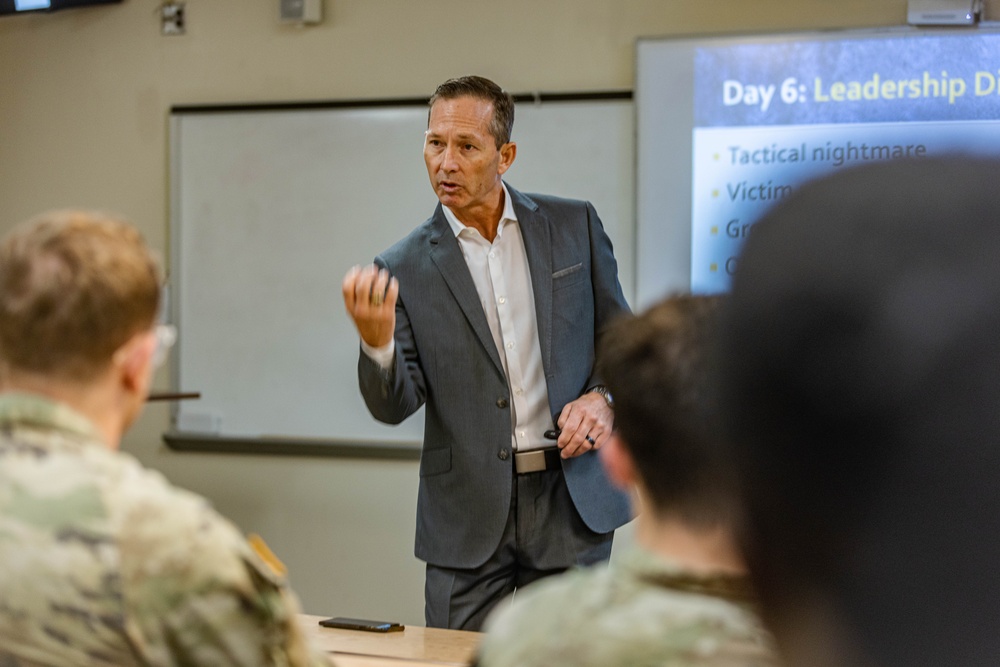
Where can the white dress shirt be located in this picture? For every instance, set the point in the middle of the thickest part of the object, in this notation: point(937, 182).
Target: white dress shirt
point(503, 282)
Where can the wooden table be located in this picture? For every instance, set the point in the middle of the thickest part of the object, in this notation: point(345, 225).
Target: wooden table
point(415, 646)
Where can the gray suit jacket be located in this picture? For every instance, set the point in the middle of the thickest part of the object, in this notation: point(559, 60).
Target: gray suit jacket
point(446, 358)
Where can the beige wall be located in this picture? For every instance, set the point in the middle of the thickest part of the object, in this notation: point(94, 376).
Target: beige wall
point(84, 97)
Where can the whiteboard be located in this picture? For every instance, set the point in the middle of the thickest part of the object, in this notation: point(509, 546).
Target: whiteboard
point(269, 209)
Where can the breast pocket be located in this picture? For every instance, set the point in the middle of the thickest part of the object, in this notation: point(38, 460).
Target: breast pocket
point(570, 275)
point(572, 297)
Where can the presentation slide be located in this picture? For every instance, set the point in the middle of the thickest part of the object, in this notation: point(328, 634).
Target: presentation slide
point(770, 115)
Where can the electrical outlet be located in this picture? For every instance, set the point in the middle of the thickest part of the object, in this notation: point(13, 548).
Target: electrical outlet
point(172, 18)
point(302, 12)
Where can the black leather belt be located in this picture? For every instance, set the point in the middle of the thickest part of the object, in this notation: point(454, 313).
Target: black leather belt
point(537, 460)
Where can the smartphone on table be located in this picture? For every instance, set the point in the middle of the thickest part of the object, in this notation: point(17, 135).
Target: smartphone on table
point(345, 623)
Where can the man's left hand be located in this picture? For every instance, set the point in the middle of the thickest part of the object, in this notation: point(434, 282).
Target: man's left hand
point(586, 424)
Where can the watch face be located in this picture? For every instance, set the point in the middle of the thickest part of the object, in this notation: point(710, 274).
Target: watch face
point(603, 391)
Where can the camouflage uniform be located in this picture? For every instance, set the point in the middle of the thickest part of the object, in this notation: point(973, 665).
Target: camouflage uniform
point(637, 612)
point(104, 563)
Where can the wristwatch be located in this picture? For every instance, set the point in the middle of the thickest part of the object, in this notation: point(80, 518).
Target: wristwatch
point(603, 391)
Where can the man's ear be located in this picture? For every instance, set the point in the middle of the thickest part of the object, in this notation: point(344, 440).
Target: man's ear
point(134, 362)
point(618, 462)
point(507, 154)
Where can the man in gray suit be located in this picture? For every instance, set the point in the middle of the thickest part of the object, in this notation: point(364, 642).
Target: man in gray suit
point(488, 313)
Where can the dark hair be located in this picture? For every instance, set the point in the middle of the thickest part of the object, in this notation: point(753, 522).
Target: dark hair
point(481, 88)
point(860, 357)
point(656, 366)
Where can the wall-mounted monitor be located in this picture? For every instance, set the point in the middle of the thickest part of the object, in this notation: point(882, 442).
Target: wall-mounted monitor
point(26, 6)
point(729, 126)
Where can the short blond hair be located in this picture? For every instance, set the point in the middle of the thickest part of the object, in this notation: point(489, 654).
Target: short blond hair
point(74, 287)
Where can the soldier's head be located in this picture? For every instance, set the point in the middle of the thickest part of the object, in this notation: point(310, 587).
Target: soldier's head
point(79, 294)
point(860, 353)
point(656, 366)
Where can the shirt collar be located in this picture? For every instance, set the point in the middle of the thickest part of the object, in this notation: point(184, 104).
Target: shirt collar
point(26, 409)
point(659, 571)
point(508, 214)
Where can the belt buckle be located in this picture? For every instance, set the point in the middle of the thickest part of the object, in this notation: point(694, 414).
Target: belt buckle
point(534, 461)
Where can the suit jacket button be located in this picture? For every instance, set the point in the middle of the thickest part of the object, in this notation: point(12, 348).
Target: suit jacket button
point(501, 403)
point(503, 455)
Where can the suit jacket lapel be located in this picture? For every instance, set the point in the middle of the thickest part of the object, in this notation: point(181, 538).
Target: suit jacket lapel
point(537, 235)
point(447, 256)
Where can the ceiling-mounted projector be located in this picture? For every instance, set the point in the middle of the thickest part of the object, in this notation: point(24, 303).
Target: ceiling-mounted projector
point(943, 12)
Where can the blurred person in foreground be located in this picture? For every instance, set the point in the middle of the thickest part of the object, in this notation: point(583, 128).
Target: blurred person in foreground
point(861, 367)
point(681, 596)
point(101, 561)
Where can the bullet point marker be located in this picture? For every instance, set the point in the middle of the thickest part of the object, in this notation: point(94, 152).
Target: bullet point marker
point(715, 193)
point(713, 267)
point(715, 231)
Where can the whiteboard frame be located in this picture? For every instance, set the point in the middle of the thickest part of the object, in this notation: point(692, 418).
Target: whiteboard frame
point(305, 446)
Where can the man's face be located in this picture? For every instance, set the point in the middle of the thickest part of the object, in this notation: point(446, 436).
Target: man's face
point(463, 161)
